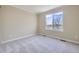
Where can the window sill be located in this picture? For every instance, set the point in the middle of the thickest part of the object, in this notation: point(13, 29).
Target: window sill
point(53, 31)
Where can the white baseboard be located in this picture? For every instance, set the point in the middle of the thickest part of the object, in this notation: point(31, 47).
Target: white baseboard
point(76, 42)
point(27, 36)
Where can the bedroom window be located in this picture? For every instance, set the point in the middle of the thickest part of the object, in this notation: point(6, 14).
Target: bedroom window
point(54, 22)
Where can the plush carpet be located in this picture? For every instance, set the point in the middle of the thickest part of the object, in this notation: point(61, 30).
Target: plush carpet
point(38, 44)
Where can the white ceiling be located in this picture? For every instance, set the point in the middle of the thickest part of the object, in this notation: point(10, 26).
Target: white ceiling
point(36, 8)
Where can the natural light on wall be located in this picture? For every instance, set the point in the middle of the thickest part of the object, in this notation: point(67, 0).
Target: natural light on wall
point(54, 22)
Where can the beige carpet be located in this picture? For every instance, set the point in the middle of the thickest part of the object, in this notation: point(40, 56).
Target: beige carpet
point(38, 44)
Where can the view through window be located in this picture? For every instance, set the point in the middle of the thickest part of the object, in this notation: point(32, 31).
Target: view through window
point(54, 21)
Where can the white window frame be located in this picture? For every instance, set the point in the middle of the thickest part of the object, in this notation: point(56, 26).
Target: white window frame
point(53, 28)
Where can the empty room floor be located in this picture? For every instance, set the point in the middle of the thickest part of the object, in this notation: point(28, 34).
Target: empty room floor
point(38, 44)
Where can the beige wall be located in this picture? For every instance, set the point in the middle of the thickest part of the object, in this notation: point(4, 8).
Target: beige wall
point(0, 24)
point(71, 23)
point(17, 23)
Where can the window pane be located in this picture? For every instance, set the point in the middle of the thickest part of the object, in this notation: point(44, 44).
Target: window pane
point(48, 22)
point(54, 22)
point(58, 21)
